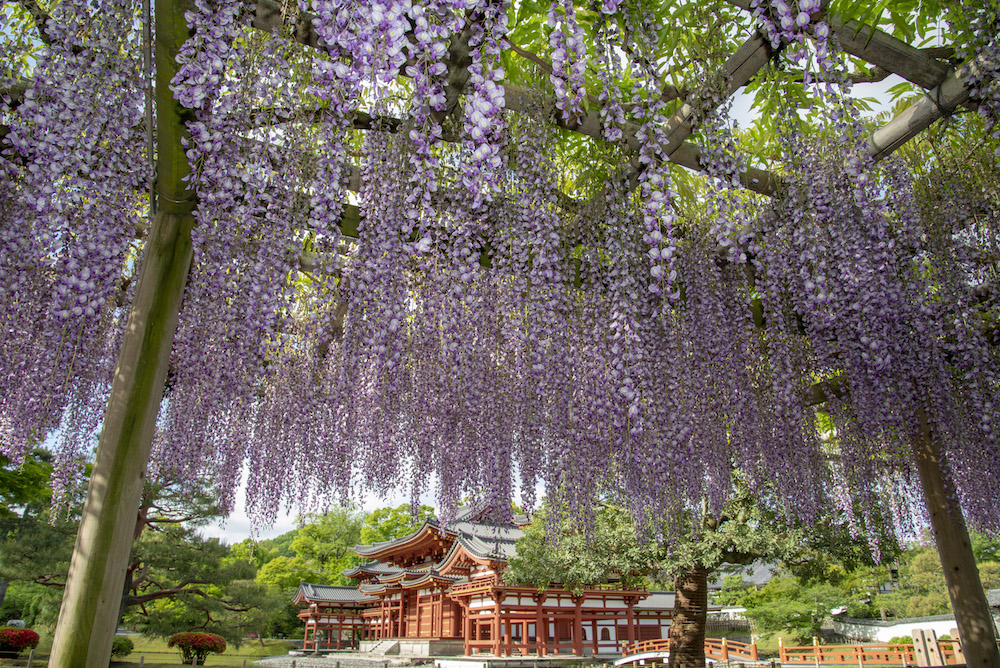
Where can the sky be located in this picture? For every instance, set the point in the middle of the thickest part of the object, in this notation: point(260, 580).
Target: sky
point(238, 526)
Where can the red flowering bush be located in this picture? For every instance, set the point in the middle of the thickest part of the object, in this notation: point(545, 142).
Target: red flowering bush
point(197, 645)
point(17, 640)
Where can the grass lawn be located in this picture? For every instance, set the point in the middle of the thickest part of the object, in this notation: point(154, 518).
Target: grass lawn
point(155, 654)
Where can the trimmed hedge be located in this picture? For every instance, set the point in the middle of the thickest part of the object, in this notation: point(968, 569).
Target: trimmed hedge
point(121, 646)
point(197, 646)
point(15, 640)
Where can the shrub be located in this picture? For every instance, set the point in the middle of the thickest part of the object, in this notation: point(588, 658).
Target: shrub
point(900, 640)
point(121, 646)
point(17, 640)
point(197, 645)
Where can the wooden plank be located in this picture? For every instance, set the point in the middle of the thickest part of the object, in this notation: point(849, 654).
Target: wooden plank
point(941, 101)
point(882, 49)
point(889, 53)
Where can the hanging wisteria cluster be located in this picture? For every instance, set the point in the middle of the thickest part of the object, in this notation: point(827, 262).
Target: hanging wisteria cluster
point(73, 175)
point(982, 53)
point(486, 330)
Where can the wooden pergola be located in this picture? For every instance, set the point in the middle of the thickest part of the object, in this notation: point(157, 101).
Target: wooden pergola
point(89, 613)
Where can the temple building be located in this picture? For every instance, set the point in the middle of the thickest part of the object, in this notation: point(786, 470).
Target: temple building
point(438, 593)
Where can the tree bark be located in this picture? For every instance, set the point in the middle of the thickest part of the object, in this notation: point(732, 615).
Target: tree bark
point(687, 625)
point(968, 600)
point(92, 600)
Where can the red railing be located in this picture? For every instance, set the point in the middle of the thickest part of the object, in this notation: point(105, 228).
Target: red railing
point(719, 649)
point(723, 649)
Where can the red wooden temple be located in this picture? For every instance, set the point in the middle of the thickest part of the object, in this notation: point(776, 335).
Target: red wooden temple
point(435, 593)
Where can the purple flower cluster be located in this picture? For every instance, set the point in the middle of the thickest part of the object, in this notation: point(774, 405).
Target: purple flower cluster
point(484, 101)
point(75, 166)
point(203, 58)
point(610, 70)
point(981, 51)
point(569, 58)
point(485, 332)
point(790, 22)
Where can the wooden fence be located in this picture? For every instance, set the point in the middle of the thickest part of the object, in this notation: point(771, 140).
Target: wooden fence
point(926, 651)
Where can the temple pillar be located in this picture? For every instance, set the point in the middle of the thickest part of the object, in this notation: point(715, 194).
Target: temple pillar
point(497, 629)
point(630, 601)
point(541, 626)
point(578, 626)
point(467, 623)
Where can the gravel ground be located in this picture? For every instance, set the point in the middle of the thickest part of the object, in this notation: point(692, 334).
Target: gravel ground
point(346, 661)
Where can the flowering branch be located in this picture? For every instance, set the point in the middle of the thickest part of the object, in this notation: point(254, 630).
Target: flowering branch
point(40, 17)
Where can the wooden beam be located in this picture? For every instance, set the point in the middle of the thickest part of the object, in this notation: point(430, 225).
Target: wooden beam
point(937, 103)
point(738, 69)
point(881, 49)
point(968, 599)
point(887, 52)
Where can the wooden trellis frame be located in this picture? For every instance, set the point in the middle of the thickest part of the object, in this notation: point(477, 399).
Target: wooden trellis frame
point(91, 601)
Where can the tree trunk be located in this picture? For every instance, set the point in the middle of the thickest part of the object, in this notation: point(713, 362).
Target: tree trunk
point(968, 600)
point(3, 591)
point(687, 625)
point(92, 600)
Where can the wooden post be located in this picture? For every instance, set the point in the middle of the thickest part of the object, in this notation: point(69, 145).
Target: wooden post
point(725, 650)
point(142, 660)
point(467, 621)
point(31, 655)
point(782, 655)
point(968, 600)
point(631, 621)
point(496, 628)
point(578, 627)
point(753, 648)
point(92, 598)
point(541, 626)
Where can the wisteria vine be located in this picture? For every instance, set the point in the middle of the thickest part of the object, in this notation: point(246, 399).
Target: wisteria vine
point(394, 287)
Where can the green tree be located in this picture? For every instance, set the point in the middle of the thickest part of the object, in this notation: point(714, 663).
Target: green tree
point(34, 547)
point(285, 573)
point(788, 608)
point(610, 552)
point(326, 542)
point(25, 488)
point(700, 543)
point(384, 524)
point(921, 589)
point(174, 577)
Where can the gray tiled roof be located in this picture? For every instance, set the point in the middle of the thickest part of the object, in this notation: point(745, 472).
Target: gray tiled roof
point(372, 567)
point(657, 600)
point(333, 594)
point(663, 600)
point(757, 574)
point(483, 539)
